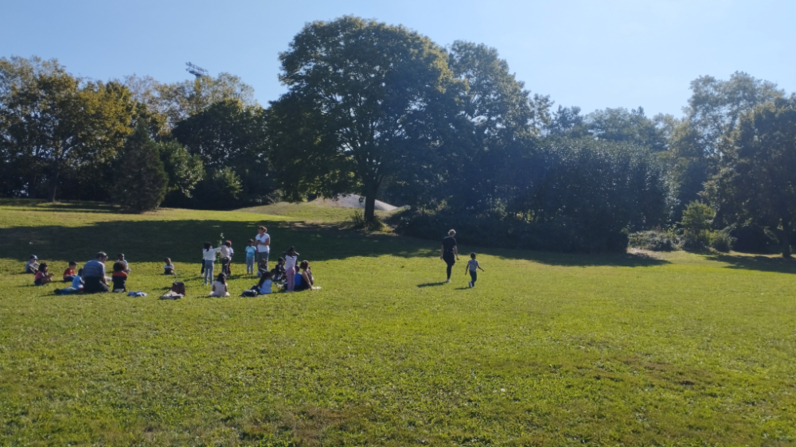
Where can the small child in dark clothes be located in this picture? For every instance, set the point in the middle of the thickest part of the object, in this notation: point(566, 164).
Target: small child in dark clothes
point(262, 267)
point(119, 277)
point(278, 273)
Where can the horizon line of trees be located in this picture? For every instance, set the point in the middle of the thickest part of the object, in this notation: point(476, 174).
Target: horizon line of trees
point(384, 112)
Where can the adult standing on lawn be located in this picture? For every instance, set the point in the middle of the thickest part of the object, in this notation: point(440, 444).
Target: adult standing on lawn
point(450, 251)
point(263, 245)
point(94, 274)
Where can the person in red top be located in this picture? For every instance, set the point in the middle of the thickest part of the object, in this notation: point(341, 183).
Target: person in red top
point(69, 273)
point(119, 277)
point(43, 276)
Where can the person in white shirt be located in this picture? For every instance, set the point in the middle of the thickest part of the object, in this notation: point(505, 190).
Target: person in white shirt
point(226, 257)
point(291, 255)
point(209, 259)
point(263, 245)
point(220, 286)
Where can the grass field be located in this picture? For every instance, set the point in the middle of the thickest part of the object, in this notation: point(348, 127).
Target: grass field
point(549, 349)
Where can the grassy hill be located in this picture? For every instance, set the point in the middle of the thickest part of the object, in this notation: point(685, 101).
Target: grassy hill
point(549, 349)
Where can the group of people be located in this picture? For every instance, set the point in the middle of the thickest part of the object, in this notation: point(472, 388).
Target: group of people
point(288, 272)
point(90, 279)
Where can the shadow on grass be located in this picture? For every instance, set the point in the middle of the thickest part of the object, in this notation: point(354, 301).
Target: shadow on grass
point(760, 263)
point(181, 240)
point(432, 284)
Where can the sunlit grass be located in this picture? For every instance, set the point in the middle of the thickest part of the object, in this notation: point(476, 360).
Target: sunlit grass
point(548, 349)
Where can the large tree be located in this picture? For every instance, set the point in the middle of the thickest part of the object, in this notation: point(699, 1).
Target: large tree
point(372, 91)
point(712, 115)
point(757, 181)
point(57, 123)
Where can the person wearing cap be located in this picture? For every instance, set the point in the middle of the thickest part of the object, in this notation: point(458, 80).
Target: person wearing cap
point(32, 266)
point(94, 274)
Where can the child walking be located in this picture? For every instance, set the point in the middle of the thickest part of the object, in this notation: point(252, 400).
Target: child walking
point(250, 251)
point(208, 259)
point(472, 267)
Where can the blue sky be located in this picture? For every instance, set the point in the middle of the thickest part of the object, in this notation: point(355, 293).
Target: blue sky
point(593, 54)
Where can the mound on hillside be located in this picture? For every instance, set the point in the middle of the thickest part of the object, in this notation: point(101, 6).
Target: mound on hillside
point(353, 201)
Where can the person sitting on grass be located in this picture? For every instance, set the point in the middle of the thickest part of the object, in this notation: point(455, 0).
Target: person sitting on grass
point(69, 273)
point(301, 280)
point(472, 266)
point(77, 281)
point(32, 266)
point(264, 286)
point(278, 273)
point(119, 277)
point(94, 274)
point(168, 268)
point(120, 258)
point(43, 276)
point(220, 286)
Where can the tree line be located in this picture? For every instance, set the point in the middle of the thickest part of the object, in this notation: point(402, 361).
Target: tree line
point(386, 113)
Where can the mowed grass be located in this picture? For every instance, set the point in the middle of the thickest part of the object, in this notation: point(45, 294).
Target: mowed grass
point(548, 349)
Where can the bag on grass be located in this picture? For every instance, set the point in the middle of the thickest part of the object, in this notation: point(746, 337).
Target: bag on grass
point(249, 293)
point(170, 295)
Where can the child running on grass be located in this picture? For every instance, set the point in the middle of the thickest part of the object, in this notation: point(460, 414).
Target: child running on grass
point(43, 276)
point(250, 252)
point(472, 267)
point(220, 286)
point(119, 277)
point(69, 273)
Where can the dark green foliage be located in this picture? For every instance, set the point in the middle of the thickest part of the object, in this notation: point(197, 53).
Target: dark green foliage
point(653, 240)
point(722, 241)
point(754, 239)
point(220, 190)
point(140, 181)
point(184, 170)
point(365, 101)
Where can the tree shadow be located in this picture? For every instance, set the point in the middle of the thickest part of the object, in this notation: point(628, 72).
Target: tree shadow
point(182, 239)
point(759, 263)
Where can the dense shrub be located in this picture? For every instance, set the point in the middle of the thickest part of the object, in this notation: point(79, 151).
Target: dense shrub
point(754, 239)
point(562, 234)
point(654, 240)
point(722, 240)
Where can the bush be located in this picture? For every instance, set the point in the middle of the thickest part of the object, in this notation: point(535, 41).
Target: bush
point(654, 240)
point(754, 239)
point(357, 221)
point(721, 240)
point(561, 234)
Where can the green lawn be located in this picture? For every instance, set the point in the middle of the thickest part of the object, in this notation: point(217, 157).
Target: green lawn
point(549, 349)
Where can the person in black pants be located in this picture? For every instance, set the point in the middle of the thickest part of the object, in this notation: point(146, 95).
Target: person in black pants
point(450, 252)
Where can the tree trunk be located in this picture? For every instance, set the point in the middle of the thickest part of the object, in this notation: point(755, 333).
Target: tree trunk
point(370, 207)
point(785, 239)
point(54, 185)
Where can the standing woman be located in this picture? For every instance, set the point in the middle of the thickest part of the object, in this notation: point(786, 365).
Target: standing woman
point(291, 256)
point(450, 252)
point(263, 245)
